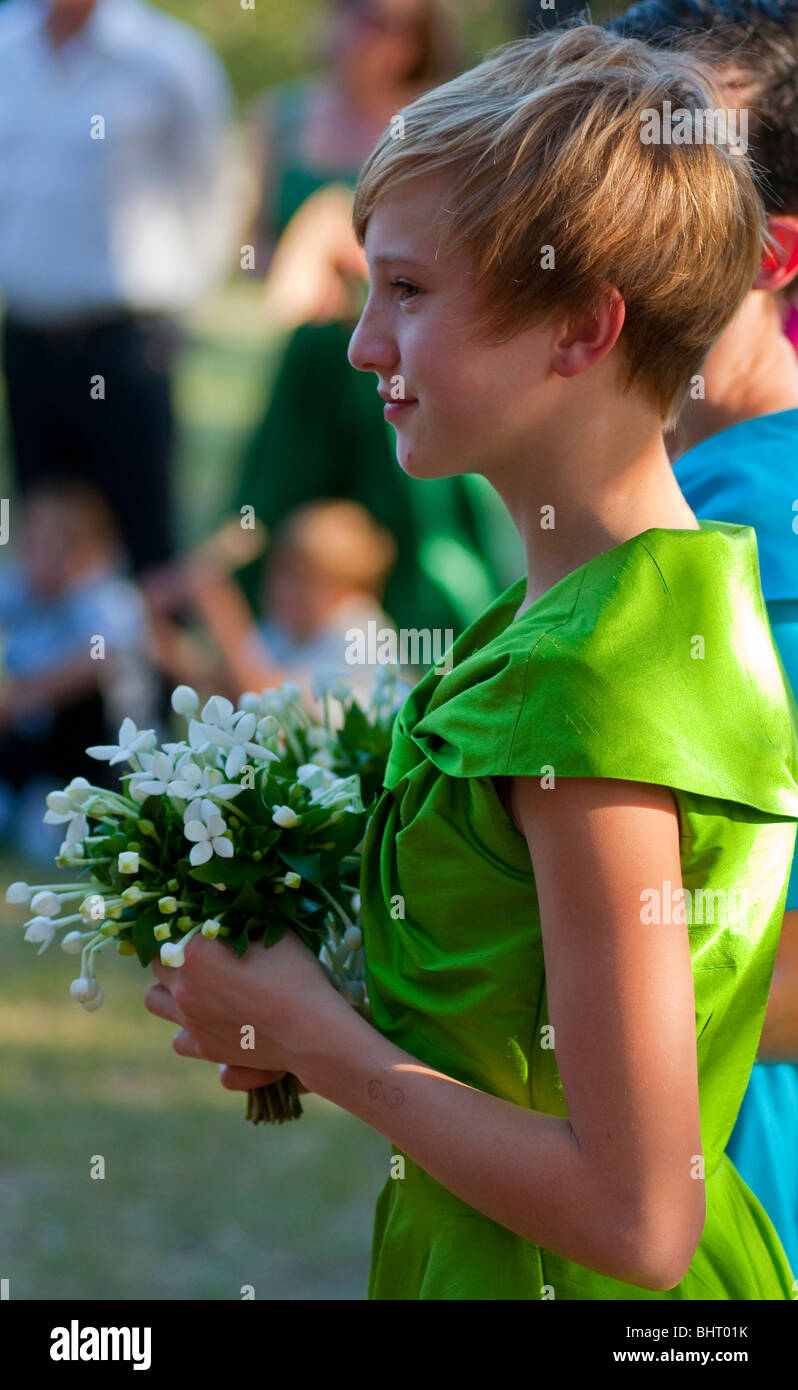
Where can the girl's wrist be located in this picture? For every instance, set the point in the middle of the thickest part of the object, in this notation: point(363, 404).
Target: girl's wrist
point(323, 1061)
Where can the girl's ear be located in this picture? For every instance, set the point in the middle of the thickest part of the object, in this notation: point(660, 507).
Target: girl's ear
point(779, 265)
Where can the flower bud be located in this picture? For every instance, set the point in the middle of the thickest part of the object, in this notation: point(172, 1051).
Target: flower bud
point(167, 905)
point(18, 892)
point(172, 953)
point(285, 817)
point(353, 937)
point(162, 931)
point(126, 948)
point(132, 895)
point(128, 862)
point(95, 1002)
point(292, 880)
point(83, 989)
point(78, 789)
point(46, 903)
point(185, 700)
point(92, 909)
point(72, 943)
point(40, 929)
point(211, 928)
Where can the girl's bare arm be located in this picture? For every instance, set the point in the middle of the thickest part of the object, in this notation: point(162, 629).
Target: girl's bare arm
point(617, 1186)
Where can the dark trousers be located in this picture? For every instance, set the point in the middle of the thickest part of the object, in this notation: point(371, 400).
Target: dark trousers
point(121, 444)
point(59, 752)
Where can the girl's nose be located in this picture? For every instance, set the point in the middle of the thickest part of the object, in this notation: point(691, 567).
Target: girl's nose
point(370, 349)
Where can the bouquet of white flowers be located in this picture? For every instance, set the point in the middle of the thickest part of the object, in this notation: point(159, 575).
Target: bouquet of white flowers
point(252, 824)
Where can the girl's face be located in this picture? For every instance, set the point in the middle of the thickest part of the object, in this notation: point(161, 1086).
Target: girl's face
point(469, 406)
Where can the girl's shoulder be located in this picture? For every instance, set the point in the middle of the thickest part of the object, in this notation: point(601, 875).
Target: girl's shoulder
point(653, 662)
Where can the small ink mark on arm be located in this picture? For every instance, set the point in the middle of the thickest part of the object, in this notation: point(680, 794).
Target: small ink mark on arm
point(393, 1097)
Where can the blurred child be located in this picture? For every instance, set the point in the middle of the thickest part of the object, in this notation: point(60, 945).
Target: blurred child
point(73, 631)
point(326, 575)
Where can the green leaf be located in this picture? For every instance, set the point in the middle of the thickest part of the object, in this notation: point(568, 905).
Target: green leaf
point(308, 865)
point(274, 932)
point(227, 871)
point(240, 943)
point(249, 901)
point(142, 936)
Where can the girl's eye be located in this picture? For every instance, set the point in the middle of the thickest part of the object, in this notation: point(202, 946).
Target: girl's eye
point(405, 285)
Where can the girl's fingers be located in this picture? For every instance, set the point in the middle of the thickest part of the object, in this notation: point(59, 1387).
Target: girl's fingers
point(246, 1078)
point(159, 1001)
point(186, 1045)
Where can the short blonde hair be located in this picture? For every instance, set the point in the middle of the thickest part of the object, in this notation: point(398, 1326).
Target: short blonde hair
point(543, 143)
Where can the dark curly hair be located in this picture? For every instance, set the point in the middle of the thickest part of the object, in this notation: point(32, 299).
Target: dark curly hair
point(761, 38)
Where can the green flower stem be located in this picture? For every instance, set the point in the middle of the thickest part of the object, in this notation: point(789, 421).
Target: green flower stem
point(347, 921)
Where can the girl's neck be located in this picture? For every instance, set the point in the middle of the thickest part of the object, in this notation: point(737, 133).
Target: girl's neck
point(590, 500)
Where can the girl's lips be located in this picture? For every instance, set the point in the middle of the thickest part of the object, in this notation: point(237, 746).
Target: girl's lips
point(394, 408)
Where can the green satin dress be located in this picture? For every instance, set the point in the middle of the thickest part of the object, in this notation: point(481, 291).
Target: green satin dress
point(604, 676)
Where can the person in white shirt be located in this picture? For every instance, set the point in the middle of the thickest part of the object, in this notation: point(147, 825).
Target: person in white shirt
point(115, 162)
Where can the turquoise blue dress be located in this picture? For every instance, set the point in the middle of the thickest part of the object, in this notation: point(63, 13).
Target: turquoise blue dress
point(749, 474)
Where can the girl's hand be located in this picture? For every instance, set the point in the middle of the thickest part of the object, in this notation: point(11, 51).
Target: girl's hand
point(266, 1011)
point(248, 1079)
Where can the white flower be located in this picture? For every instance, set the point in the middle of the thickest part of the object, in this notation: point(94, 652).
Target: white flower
point(318, 737)
point(131, 741)
point(285, 817)
point(40, 929)
point(206, 826)
point(77, 828)
point(159, 770)
point(235, 733)
point(314, 776)
point(191, 780)
point(342, 794)
point(95, 1002)
point(173, 953)
point(184, 700)
point(290, 691)
point(46, 903)
point(92, 909)
point(72, 943)
point(250, 702)
point(128, 861)
point(18, 892)
point(83, 989)
point(328, 680)
point(79, 790)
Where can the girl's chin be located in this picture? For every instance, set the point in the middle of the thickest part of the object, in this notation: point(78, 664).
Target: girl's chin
point(417, 463)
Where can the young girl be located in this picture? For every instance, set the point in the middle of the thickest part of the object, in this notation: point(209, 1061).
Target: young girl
point(574, 878)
